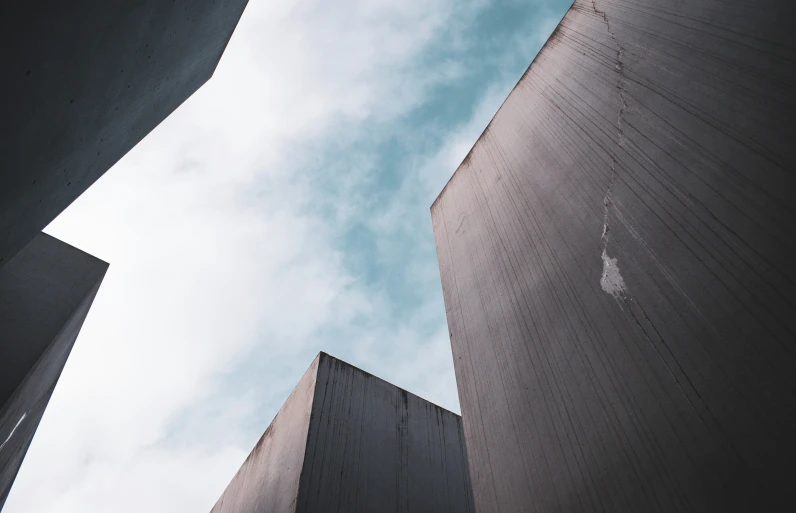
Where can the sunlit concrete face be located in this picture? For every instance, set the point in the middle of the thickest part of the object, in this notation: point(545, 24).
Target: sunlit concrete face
point(617, 254)
point(348, 441)
point(46, 291)
point(83, 82)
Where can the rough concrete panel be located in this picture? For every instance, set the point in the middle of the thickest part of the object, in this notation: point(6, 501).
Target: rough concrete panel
point(362, 444)
point(268, 481)
point(83, 81)
point(617, 254)
point(46, 291)
point(375, 447)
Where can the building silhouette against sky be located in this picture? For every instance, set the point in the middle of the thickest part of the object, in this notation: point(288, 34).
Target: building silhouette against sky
point(616, 254)
point(83, 82)
point(46, 291)
point(348, 441)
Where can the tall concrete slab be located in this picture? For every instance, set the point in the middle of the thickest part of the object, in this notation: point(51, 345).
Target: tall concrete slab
point(83, 82)
point(46, 291)
point(617, 257)
point(347, 441)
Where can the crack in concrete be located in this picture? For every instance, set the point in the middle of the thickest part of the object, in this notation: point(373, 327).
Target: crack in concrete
point(611, 281)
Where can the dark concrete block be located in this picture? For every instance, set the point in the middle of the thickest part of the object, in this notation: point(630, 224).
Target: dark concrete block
point(45, 293)
point(83, 82)
point(617, 252)
point(347, 441)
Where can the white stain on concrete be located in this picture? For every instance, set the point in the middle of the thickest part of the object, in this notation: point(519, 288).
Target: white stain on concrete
point(12, 431)
point(611, 281)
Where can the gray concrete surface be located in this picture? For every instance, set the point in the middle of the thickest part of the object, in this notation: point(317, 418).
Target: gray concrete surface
point(46, 291)
point(268, 481)
point(617, 254)
point(83, 82)
point(346, 441)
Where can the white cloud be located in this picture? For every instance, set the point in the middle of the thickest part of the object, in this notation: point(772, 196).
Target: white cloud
point(223, 277)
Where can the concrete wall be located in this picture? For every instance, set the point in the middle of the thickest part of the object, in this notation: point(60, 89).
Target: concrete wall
point(268, 481)
point(374, 447)
point(364, 446)
point(617, 254)
point(83, 81)
point(46, 291)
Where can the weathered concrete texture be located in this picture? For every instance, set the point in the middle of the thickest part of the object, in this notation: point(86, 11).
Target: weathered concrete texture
point(347, 441)
point(268, 481)
point(617, 255)
point(83, 82)
point(45, 293)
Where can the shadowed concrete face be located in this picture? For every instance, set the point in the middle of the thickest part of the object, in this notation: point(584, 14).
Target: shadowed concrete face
point(617, 254)
point(46, 291)
point(83, 82)
point(348, 441)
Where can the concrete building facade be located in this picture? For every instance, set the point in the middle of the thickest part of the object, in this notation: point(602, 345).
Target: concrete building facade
point(83, 82)
point(347, 441)
point(616, 253)
point(46, 291)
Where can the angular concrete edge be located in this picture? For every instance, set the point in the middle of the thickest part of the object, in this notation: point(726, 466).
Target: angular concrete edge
point(365, 445)
point(550, 40)
point(84, 82)
point(275, 463)
point(616, 253)
point(46, 291)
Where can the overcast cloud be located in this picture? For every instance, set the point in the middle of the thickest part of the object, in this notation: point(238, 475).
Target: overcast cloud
point(282, 210)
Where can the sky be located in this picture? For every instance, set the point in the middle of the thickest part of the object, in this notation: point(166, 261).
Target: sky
point(282, 210)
